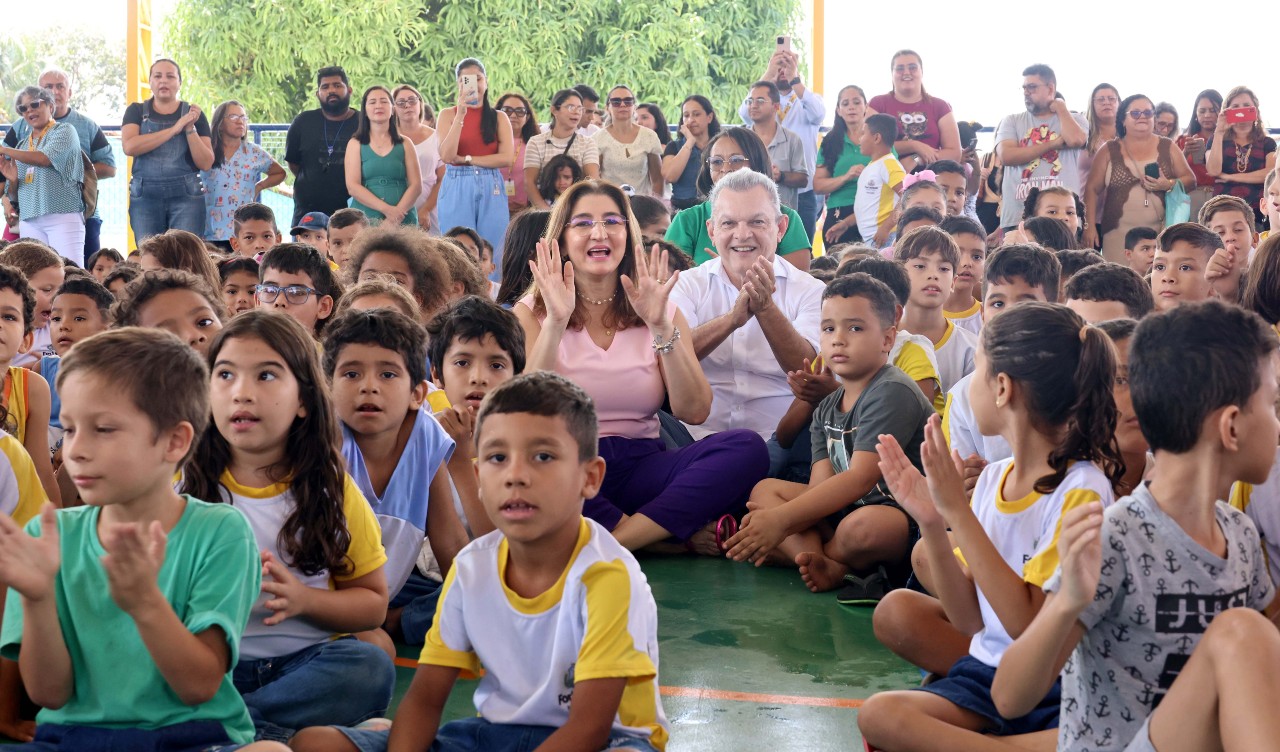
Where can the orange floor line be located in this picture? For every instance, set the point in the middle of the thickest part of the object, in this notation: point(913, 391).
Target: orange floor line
point(702, 693)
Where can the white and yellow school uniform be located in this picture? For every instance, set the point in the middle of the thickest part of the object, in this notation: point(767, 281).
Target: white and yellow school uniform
point(21, 494)
point(955, 352)
point(961, 429)
point(1262, 504)
point(266, 509)
point(913, 354)
point(598, 621)
point(969, 319)
point(1025, 532)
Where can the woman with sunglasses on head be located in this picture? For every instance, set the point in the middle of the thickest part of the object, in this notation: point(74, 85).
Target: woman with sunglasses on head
point(629, 155)
point(731, 150)
point(561, 138)
point(411, 123)
point(44, 174)
point(1242, 153)
point(1135, 171)
point(241, 171)
point(381, 165)
point(523, 127)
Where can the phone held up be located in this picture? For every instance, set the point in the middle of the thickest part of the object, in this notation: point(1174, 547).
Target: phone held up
point(784, 43)
point(1240, 114)
point(470, 90)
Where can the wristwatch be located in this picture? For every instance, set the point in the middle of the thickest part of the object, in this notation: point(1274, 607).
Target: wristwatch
point(467, 160)
point(795, 81)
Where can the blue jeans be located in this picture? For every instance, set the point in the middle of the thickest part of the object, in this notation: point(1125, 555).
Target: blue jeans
point(92, 236)
point(792, 464)
point(193, 736)
point(160, 204)
point(342, 682)
point(807, 208)
point(479, 735)
point(418, 600)
point(476, 197)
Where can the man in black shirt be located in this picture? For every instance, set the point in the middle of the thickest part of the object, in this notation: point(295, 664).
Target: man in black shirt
point(317, 144)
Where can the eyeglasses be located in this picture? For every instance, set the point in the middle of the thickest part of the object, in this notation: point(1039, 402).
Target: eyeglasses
point(611, 224)
point(720, 164)
point(1141, 114)
point(621, 101)
point(1030, 88)
point(294, 294)
point(571, 108)
point(762, 101)
point(521, 111)
point(238, 118)
point(408, 102)
point(22, 108)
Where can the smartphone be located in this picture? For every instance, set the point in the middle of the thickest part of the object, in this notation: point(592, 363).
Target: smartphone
point(1152, 171)
point(470, 92)
point(1241, 114)
point(973, 143)
point(784, 43)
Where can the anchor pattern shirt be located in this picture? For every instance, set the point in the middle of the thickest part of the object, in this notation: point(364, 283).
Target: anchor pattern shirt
point(1158, 593)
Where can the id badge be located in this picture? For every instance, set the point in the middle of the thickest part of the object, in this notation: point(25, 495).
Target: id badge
point(29, 175)
point(511, 187)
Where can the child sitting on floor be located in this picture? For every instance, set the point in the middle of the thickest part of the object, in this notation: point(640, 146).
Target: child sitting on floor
point(25, 403)
point(44, 270)
point(125, 615)
point(403, 253)
point(376, 363)
point(555, 611)
point(1107, 291)
point(964, 304)
point(174, 300)
point(1152, 617)
point(1044, 383)
point(1181, 270)
point(295, 279)
point(817, 526)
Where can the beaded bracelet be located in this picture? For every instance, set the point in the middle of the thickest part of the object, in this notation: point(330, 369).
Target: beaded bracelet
point(670, 345)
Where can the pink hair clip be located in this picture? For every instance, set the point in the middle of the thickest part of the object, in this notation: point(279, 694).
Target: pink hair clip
point(928, 176)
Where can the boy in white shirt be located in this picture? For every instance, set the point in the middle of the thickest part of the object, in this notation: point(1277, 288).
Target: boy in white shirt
point(880, 183)
point(558, 614)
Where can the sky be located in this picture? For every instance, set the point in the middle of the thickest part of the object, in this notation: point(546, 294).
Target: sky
point(973, 61)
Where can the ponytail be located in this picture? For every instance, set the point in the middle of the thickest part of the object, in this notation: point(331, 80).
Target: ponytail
point(1038, 345)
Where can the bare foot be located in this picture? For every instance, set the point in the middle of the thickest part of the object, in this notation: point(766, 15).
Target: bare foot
point(703, 542)
point(18, 729)
point(819, 572)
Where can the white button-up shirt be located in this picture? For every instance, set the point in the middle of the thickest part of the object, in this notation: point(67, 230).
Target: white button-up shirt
point(749, 389)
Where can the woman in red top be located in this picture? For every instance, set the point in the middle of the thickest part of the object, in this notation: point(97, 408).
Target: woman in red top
point(475, 146)
point(1241, 153)
point(926, 122)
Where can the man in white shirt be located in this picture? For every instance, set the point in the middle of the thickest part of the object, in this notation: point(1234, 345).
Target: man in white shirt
point(754, 316)
point(801, 112)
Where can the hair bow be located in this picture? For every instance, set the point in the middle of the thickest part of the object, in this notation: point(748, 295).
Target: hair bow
point(928, 176)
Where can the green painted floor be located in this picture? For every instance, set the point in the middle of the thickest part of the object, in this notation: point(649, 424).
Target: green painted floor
point(748, 659)
point(734, 629)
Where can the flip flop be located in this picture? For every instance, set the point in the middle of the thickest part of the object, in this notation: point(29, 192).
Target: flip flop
point(863, 591)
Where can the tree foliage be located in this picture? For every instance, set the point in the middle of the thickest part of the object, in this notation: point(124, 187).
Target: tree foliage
point(264, 53)
point(94, 64)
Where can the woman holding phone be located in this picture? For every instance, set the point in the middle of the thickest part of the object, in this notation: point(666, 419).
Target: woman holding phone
point(1194, 143)
point(1129, 178)
point(1241, 154)
point(475, 145)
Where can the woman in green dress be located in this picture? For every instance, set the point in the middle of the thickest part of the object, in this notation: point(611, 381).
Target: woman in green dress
point(382, 174)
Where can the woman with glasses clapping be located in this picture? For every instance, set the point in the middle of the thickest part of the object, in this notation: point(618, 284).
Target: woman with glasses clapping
point(1135, 170)
point(629, 155)
point(241, 171)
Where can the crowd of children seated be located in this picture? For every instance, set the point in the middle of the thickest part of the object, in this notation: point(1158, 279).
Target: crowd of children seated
point(233, 483)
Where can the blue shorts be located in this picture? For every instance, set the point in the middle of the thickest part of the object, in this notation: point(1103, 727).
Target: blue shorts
point(479, 735)
point(968, 686)
point(193, 736)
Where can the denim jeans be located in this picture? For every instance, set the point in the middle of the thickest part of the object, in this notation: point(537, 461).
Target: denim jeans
point(479, 735)
point(476, 197)
point(160, 204)
point(807, 208)
point(340, 682)
point(417, 598)
point(92, 237)
point(192, 736)
point(792, 464)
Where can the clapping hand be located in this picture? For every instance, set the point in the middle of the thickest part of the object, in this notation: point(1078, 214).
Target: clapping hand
point(812, 383)
point(555, 281)
point(907, 484)
point(944, 470)
point(649, 292)
point(135, 554)
point(30, 565)
point(1080, 554)
point(759, 285)
point(290, 592)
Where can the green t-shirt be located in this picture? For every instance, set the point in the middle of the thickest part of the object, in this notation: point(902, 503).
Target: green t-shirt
point(688, 232)
point(211, 576)
point(850, 156)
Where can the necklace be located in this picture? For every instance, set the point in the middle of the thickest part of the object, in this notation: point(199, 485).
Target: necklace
point(599, 302)
point(1242, 157)
point(328, 145)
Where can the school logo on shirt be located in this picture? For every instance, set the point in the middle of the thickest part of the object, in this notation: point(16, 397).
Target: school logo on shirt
point(566, 698)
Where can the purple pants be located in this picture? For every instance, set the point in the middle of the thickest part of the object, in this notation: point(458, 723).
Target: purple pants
point(680, 489)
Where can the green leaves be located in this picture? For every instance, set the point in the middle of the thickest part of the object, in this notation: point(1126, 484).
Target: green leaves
point(265, 52)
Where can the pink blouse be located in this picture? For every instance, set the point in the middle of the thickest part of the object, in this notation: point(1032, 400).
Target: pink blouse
point(624, 381)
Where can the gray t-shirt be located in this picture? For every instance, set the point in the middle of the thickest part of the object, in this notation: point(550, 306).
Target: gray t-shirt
point(1054, 167)
point(786, 152)
point(892, 404)
point(1159, 591)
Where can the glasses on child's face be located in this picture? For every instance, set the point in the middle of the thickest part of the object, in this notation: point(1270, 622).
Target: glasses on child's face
point(720, 164)
point(621, 101)
point(1142, 114)
point(407, 102)
point(611, 224)
point(22, 108)
point(521, 111)
point(293, 294)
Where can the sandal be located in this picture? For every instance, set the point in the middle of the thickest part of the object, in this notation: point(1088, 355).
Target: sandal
point(863, 591)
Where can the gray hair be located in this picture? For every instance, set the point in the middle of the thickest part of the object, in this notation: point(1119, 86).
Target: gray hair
point(33, 93)
point(742, 181)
